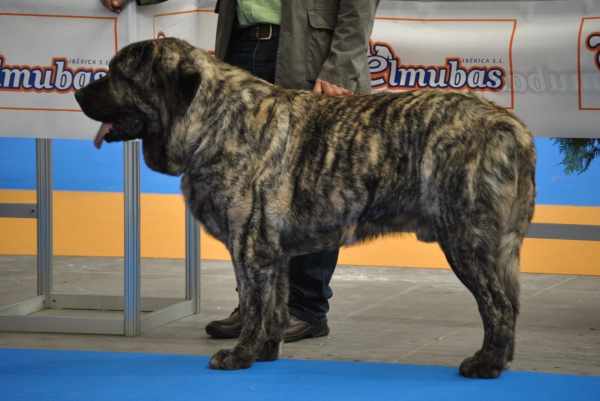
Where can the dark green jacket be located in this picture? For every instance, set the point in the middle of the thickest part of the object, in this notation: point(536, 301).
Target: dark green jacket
point(326, 39)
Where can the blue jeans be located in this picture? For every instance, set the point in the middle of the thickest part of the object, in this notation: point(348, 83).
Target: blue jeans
point(309, 274)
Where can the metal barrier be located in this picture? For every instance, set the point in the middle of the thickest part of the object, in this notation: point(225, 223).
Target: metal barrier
point(16, 317)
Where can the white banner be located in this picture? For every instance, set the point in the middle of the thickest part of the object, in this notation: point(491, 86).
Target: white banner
point(46, 53)
point(540, 59)
point(194, 21)
point(48, 50)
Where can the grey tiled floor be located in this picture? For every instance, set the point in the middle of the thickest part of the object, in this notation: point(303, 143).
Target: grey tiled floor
point(394, 315)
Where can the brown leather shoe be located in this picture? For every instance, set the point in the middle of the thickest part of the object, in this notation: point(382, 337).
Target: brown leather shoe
point(297, 330)
point(230, 327)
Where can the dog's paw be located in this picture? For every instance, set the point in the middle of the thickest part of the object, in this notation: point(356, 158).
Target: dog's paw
point(479, 367)
point(227, 359)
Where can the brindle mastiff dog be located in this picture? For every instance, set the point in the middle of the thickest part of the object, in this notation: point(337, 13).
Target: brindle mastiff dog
point(274, 173)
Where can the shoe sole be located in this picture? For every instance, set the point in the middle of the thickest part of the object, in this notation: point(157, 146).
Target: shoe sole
point(214, 332)
point(312, 332)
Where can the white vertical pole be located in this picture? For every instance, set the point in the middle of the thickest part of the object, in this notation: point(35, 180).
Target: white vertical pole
point(192, 260)
point(131, 155)
point(131, 162)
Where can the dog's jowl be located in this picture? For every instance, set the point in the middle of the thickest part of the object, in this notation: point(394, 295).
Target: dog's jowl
point(274, 173)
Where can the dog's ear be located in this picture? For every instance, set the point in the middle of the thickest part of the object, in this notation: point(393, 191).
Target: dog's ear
point(189, 82)
point(180, 77)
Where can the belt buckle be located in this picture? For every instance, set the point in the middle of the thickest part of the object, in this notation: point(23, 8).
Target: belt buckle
point(270, 33)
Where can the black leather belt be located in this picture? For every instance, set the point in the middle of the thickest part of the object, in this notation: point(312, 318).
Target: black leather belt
point(261, 31)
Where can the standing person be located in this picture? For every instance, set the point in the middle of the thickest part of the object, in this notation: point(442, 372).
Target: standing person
point(303, 44)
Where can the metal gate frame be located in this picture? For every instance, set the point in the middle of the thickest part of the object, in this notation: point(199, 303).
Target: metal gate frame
point(16, 317)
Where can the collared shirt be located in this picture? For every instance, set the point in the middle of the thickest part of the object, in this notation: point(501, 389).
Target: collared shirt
point(252, 12)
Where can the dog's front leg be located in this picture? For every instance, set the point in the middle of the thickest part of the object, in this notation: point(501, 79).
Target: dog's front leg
point(263, 291)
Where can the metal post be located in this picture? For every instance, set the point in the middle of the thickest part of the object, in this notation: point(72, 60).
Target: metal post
point(131, 162)
point(192, 260)
point(44, 220)
point(132, 307)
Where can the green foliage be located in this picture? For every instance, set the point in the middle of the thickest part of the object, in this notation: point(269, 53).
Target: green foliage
point(578, 153)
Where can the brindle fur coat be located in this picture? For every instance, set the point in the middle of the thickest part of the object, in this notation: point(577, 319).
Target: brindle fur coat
point(274, 173)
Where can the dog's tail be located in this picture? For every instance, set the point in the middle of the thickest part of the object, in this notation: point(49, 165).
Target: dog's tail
point(520, 214)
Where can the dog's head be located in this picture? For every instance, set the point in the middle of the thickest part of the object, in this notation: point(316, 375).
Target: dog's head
point(148, 85)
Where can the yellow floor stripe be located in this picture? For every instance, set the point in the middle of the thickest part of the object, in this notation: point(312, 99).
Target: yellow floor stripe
point(91, 224)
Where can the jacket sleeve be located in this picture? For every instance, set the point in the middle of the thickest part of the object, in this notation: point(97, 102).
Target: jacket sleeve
point(148, 2)
point(350, 43)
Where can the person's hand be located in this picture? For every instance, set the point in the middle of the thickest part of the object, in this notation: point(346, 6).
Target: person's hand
point(113, 5)
point(330, 89)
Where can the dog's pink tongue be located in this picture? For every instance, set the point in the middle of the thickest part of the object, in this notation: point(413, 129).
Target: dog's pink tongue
point(104, 128)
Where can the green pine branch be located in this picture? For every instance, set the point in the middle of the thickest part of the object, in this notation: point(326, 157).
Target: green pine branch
point(578, 153)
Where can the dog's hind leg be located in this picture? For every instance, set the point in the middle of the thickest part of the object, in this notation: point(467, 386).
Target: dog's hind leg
point(520, 216)
point(480, 212)
point(473, 262)
point(471, 237)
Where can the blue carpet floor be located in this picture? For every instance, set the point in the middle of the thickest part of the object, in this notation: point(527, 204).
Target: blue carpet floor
point(80, 375)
